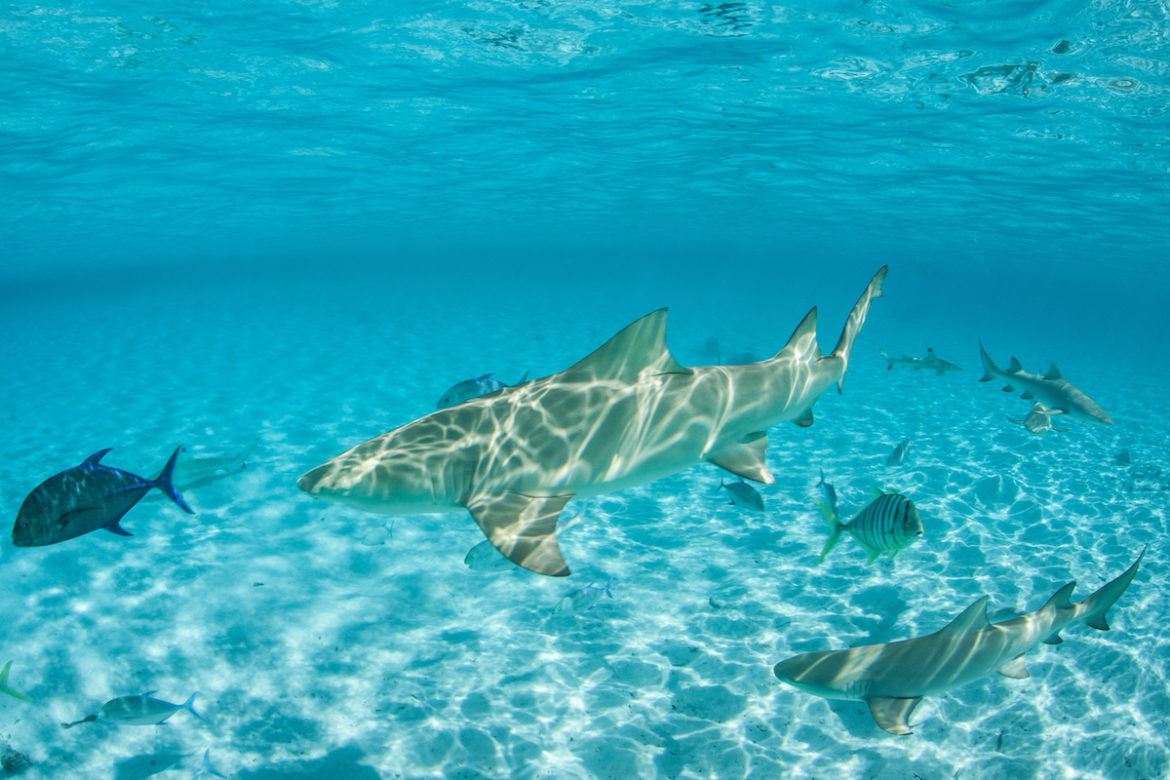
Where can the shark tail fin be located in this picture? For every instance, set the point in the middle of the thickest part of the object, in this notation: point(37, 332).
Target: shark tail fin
point(163, 482)
point(989, 367)
point(835, 529)
point(856, 319)
point(1092, 611)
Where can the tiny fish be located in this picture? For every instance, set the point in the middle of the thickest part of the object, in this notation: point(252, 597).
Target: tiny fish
point(583, 598)
point(899, 454)
point(743, 495)
point(191, 472)
point(1039, 420)
point(4, 684)
point(472, 388)
point(85, 498)
point(829, 492)
point(889, 524)
point(142, 710)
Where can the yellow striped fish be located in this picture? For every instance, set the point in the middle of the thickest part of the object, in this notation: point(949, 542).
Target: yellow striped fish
point(890, 523)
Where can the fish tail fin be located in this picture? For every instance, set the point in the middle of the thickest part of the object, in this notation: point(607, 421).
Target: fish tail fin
point(4, 684)
point(189, 706)
point(1092, 611)
point(163, 482)
point(989, 367)
point(835, 530)
point(853, 325)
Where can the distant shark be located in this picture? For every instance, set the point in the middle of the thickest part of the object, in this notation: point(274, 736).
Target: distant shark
point(931, 362)
point(892, 678)
point(626, 414)
point(1052, 390)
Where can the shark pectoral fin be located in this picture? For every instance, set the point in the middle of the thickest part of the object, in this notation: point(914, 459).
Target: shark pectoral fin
point(892, 714)
point(1015, 669)
point(745, 458)
point(524, 529)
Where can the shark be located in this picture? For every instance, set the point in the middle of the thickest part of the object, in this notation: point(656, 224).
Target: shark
point(1051, 389)
point(893, 678)
point(626, 414)
point(931, 362)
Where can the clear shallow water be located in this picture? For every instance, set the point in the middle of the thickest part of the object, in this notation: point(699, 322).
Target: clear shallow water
point(302, 223)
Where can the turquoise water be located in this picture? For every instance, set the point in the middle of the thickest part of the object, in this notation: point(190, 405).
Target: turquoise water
point(300, 223)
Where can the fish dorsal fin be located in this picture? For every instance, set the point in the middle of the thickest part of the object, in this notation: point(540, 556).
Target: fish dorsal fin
point(892, 714)
point(524, 529)
point(1015, 365)
point(1053, 372)
point(973, 618)
point(803, 340)
point(96, 458)
point(639, 346)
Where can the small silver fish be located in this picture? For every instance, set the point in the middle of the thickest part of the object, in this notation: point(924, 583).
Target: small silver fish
point(889, 524)
point(743, 495)
point(141, 710)
point(899, 454)
point(472, 388)
point(583, 598)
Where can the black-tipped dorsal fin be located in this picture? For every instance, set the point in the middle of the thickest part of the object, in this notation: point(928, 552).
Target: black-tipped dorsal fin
point(1015, 365)
point(973, 618)
point(1053, 372)
point(803, 340)
point(639, 346)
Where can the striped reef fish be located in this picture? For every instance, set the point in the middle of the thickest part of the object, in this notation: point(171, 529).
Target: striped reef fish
point(890, 523)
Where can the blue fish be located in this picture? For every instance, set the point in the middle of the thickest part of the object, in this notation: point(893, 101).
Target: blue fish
point(583, 598)
point(743, 495)
point(473, 388)
point(140, 710)
point(86, 498)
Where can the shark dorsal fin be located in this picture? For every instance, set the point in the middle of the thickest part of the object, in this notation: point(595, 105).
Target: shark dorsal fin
point(639, 346)
point(1015, 365)
point(1053, 372)
point(803, 340)
point(973, 618)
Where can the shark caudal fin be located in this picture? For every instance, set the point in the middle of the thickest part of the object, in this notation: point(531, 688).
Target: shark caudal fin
point(989, 367)
point(853, 325)
point(163, 482)
point(1092, 611)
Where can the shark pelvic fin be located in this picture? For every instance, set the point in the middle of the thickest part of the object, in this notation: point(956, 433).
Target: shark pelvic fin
point(523, 528)
point(892, 714)
point(639, 346)
point(1015, 669)
point(973, 618)
point(745, 458)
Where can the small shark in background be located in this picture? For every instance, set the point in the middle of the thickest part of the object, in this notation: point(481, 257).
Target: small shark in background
point(931, 362)
point(627, 414)
point(1039, 419)
point(743, 495)
point(892, 678)
point(141, 710)
point(472, 388)
point(1052, 390)
point(193, 472)
point(85, 498)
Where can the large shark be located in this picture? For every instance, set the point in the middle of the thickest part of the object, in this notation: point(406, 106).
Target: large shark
point(892, 678)
point(1052, 390)
point(626, 414)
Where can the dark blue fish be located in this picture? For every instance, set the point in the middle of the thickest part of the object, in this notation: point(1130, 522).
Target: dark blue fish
point(472, 388)
point(86, 498)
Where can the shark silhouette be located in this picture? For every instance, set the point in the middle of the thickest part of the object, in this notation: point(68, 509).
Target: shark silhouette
point(626, 414)
point(892, 678)
point(1052, 389)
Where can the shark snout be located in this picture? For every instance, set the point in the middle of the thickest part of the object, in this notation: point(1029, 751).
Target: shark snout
point(315, 482)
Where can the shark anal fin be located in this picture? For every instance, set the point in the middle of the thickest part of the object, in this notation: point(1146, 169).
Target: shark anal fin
point(892, 714)
point(1015, 669)
point(745, 458)
point(524, 529)
point(1027, 396)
